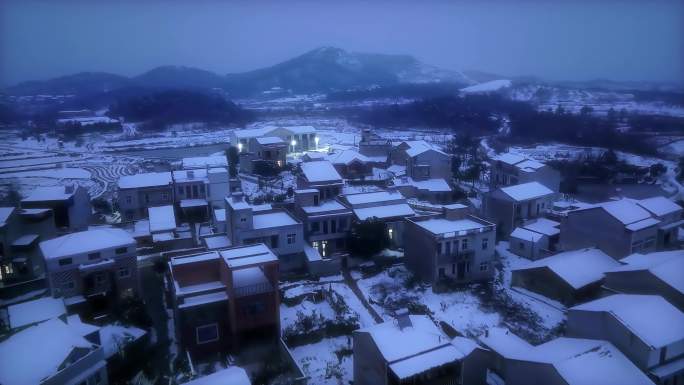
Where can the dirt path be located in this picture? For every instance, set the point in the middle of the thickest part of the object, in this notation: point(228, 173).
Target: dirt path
point(359, 294)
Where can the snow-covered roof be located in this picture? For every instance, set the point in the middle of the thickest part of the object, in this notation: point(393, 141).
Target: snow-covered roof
point(490, 86)
point(659, 206)
point(373, 197)
point(204, 161)
point(38, 352)
point(663, 325)
point(298, 130)
point(5, 213)
point(316, 155)
point(220, 215)
point(249, 277)
point(320, 171)
point(52, 193)
point(529, 165)
point(526, 235)
point(648, 222)
point(185, 259)
point(85, 242)
point(248, 255)
point(440, 226)
point(504, 342)
point(347, 157)
point(269, 140)
point(233, 375)
point(162, 218)
point(543, 226)
point(253, 132)
point(432, 185)
point(417, 147)
point(666, 265)
point(265, 220)
point(218, 241)
point(311, 254)
point(187, 203)
point(577, 267)
point(423, 346)
point(149, 179)
point(204, 299)
point(198, 174)
point(386, 211)
point(323, 207)
point(525, 191)
point(38, 310)
point(510, 158)
point(624, 210)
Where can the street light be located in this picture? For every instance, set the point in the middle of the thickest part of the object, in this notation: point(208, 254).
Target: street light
point(293, 143)
point(239, 147)
point(317, 139)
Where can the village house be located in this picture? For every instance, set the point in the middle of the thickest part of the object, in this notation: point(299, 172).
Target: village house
point(535, 239)
point(372, 145)
point(657, 273)
point(562, 361)
point(570, 277)
point(21, 230)
point(646, 328)
point(165, 232)
point(322, 176)
point(454, 245)
point(276, 228)
point(389, 207)
point(413, 350)
point(435, 191)
point(326, 223)
point(670, 216)
point(422, 160)
point(138, 192)
point(510, 169)
point(263, 153)
point(70, 205)
point(297, 138)
point(223, 299)
point(350, 164)
point(619, 228)
point(96, 266)
point(53, 352)
point(511, 206)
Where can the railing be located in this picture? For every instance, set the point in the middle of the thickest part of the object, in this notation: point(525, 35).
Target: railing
point(453, 257)
point(258, 288)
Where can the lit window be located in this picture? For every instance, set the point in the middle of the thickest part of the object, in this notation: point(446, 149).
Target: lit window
point(390, 233)
point(207, 333)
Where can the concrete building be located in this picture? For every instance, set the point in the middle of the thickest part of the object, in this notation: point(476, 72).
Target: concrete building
point(21, 230)
point(422, 160)
point(351, 164)
point(537, 238)
point(619, 228)
point(223, 299)
point(435, 191)
point(322, 176)
point(424, 355)
point(389, 207)
point(511, 206)
point(453, 246)
point(570, 277)
point(91, 266)
point(140, 191)
point(70, 205)
point(53, 352)
point(563, 361)
point(646, 328)
point(298, 138)
point(510, 169)
point(372, 145)
point(326, 223)
point(276, 228)
point(657, 273)
point(670, 216)
point(263, 153)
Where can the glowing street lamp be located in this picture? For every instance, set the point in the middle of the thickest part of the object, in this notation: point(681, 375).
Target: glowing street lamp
point(293, 143)
point(317, 139)
point(239, 147)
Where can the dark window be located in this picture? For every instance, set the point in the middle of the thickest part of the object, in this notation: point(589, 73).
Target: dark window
point(124, 272)
point(343, 223)
point(180, 190)
point(147, 198)
point(195, 193)
point(253, 308)
point(187, 191)
point(291, 238)
point(65, 261)
point(207, 333)
point(325, 227)
point(274, 241)
point(202, 189)
point(485, 243)
point(333, 226)
point(315, 200)
point(92, 256)
point(339, 243)
point(315, 226)
point(120, 250)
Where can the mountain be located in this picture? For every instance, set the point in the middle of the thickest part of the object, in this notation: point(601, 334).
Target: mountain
point(82, 83)
point(179, 77)
point(332, 69)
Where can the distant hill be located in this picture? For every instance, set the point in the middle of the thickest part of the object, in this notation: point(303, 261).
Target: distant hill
point(321, 70)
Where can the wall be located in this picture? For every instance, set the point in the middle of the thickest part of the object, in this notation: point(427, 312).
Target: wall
point(369, 365)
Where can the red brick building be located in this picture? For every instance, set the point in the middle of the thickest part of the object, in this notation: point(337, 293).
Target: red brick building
point(224, 298)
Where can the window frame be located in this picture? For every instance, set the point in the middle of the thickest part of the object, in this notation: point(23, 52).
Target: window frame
point(197, 329)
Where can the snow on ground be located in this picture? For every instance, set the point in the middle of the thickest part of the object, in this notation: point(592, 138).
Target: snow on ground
point(320, 361)
point(115, 337)
point(490, 86)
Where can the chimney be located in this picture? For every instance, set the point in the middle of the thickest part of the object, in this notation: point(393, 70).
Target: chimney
point(403, 318)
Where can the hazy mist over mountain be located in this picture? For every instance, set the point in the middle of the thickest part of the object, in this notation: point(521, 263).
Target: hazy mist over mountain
point(618, 40)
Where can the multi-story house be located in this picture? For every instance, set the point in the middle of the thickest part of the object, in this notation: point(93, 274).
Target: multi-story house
point(562, 361)
point(646, 328)
point(454, 246)
point(670, 216)
point(435, 191)
point(353, 165)
point(269, 151)
point(326, 223)
point(222, 299)
point(21, 230)
point(372, 145)
point(53, 352)
point(70, 205)
point(297, 138)
point(276, 228)
point(422, 160)
point(322, 176)
point(413, 350)
point(389, 207)
point(511, 206)
point(653, 273)
point(91, 264)
point(140, 191)
point(619, 228)
point(535, 239)
point(510, 169)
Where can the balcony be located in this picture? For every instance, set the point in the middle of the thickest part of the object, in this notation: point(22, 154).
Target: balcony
point(454, 257)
